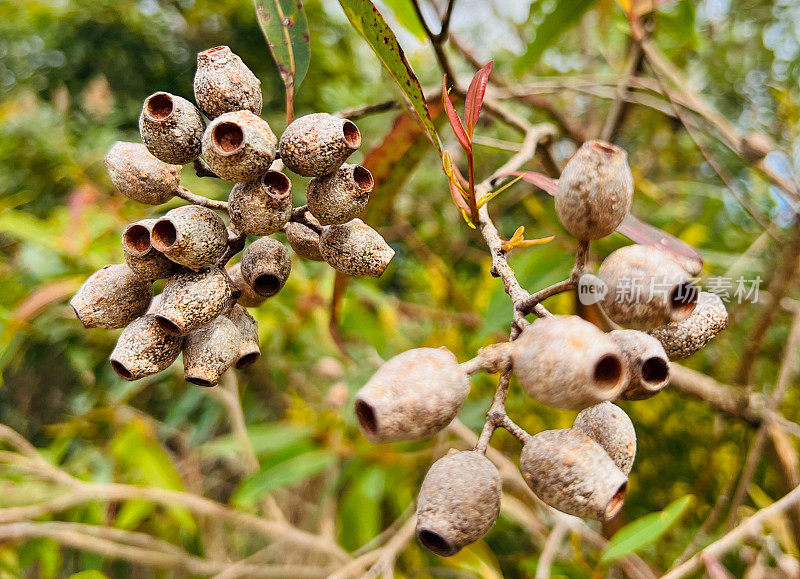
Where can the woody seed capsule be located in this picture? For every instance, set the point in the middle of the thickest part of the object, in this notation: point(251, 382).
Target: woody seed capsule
point(609, 426)
point(647, 362)
point(248, 296)
point(572, 473)
point(144, 349)
point(567, 362)
point(340, 196)
point(249, 350)
point(318, 144)
point(191, 235)
point(303, 240)
point(684, 338)
point(239, 146)
point(223, 84)
point(209, 351)
point(646, 288)
point(266, 266)
point(355, 248)
point(411, 396)
point(112, 297)
point(172, 128)
point(595, 190)
point(140, 255)
point(458, 502)
point(138, 175)
point(261, 206)
point(192, 299)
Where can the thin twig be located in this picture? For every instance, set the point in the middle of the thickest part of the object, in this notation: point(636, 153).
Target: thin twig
point(550, 550)
point(187, 195)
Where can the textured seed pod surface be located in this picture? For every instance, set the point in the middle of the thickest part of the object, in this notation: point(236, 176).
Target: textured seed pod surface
point(224, 84)
point(684, 338)
point(262, 206)
point(248, 296)
point(317, 144)
point(144, 349)
point(266, 266)
point(209, 351)
point(138, 175)
point(303, 240)
point(647, 362)
point(249, 351)
point(609, 426)
point(355, 248)
point(112, 297)
point(191, 299)
point(340, 196)
point(172, 128)
point(239, 146)
point(140, 255)
point(191, 235)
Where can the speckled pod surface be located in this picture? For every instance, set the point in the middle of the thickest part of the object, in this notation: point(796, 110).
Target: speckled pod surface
point(684, 338)
point(248, 297)
point(609, 426)
point(239, 146)
point(144, 349)
point(140, 255)
point(138, 175)
point(112, 297)
point(224, 84)
point(647, 362)
point(595, 190)
point(192, 299)
point(266, 266)
point(458, 502)
point(567, 362)
point(340, 196)
point(172, 128)
point(646, 288)
point(249, 351)
point(411, 396)
point(572, 473)
point(191, 235)
point(209, 351)
point(355, 248)
point(261, 206)
point(303, 240)
point(317, 144)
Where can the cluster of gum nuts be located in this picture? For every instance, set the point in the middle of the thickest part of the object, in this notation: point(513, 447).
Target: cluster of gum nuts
point(561, 361)
point(201, 310)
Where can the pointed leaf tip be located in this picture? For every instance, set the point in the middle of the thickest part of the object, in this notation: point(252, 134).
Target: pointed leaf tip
point(475, 96)
point(455, 122)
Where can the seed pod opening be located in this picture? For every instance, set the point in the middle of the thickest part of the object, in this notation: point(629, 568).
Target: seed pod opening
point(684, 338)
point(138, 175)
point(303, 240)
point(458, 502)
point(247, 296)
point(572, 473)
point(112, 297)
point(567, 362)
point(647, 362)
point(609, 426)
point(209, 351)
point(144, 349)
point(340, 196)
point(145, 260)
point(317, 144)
point(223, 83)
point(262, 206)
point(239, 146)
point(266, 266)
point(191, 235)
point(355, 248)
point(249, 351)
point(411, 396)
point(171, 128)
point(191, 300)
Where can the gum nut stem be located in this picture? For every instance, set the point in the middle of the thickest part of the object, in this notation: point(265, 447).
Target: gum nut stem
point(144, 349)
point(647, 363)
point(191, 235)
point(172, 128)
point(249, 350)
point(355, 248)
point(609, 426)
point(458, 502)
point(567, 362)
point(112, 297)
point(209, 351)
point(340, 196)
point(140, 255)
point(303, 240)
point(572, 473)
point(646, 288)
point(261, 206)
point(595, 190)
point(248, 296)
point(266, 266)
point(138, 175)
point(223, 83)
point(684, 338)
point(239, 146)
point(192, 299)
point(412, 396)
point(317, 144)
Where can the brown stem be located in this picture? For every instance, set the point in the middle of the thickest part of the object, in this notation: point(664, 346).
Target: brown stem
point(187, 195)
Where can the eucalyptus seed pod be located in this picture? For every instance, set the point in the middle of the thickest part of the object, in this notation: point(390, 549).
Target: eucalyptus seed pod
point(355, 248)
point(138, 175)
point(340, 196)
point(261, 206)
point(266, 266)
point(144, 349)
point(609, 426)
point(412, 396)
point(192, 299)
point(172, 128)
point(248, 296)
point(595, 190)
point(112, 297)
point(458, 502)
point(249, 350)
point(303, 240)
point(190, 235)
point(646, 288)
point(567, 362)
point(684, 338)
point(647, 363)
point(572, 473)
point(239, 146)
point(209, 351)
point(317, 144)
point(223, 84)
point(140, 255)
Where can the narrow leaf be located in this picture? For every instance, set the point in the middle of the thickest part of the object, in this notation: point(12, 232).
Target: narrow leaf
point(452, 116)
point(646, 234)
point(539, 180)
point(286, 473)
point(475, 94)
point(404, 11)
point(285, 28)
point(491, 195)
point(532, 242)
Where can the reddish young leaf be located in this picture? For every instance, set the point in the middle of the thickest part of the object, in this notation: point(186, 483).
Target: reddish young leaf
point(455, 122)
point(646, 234)
point(539, 180)
point(475, 94)
point(458, 198)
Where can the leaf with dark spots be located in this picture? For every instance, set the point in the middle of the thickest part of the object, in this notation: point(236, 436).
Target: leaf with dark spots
point(287, 36)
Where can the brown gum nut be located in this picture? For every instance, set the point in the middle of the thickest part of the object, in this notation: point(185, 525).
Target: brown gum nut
point(355, 248)
point(112, 297)
point(317, 144)
point(684, 338)
point(609, 426)
point(248, 297)
point(266, 266)
point(224, 84)
point(249, 350)
point(239, 146)
point(140, 255)
point(303, 240)
point(190, 300)
point(191, 235)
point(340, 196)
point(138, 175)
point(172, 128)
point(209, 351)
point(647, 363)
point(261, 206)
point(144, 349)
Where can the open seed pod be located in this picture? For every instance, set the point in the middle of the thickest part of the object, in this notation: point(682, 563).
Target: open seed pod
point(144, 349)
point(567, 362)
point(339, 196)
point(171, 128)
point(647, 363)
point(317, 144)
point(609, 426)
point(248, 296)
point(266, 266)
point(192, 299)
point(112, 297)
point(239, 146)
point(684, 338)
point(411, 396)
point(249, 351)
point(209, 351)
point(572, 473)
point(303, 240)
point(140, 255)
point(138, 175)
point(458, 502)
point(191, 235)
point(262, 206)
point(223, 83)
point(355, 248)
